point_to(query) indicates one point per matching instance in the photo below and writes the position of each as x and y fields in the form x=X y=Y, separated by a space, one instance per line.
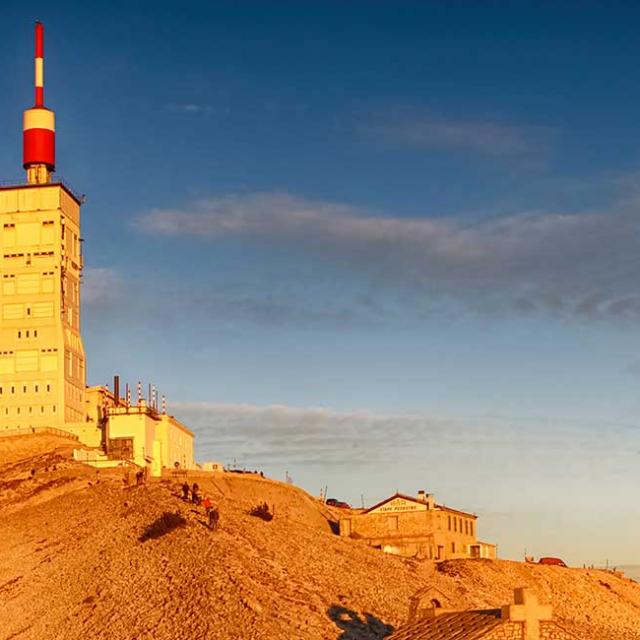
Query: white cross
x=527 y=609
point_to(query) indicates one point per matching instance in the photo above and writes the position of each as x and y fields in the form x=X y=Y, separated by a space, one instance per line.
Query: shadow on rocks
x=354 y=627
x=166 y=523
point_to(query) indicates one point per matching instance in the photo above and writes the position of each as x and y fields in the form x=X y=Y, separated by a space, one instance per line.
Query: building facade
x=417 y=526
x=138 y=433
x=42 y=360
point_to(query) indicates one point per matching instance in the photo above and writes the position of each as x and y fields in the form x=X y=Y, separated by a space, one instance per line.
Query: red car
x=556 y=562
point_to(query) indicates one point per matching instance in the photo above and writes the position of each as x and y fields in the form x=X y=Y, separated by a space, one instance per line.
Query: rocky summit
x=84 y=554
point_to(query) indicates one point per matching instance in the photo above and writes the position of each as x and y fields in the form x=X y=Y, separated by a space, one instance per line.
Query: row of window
x=28 y=283
x=17 y=411
x=461 y=525
x=11 y=352
x=35 y=254
x=38 y=387
x=9 y=276
x=27 y=333
x=12 y=225
x=28 y=360
x=29 y=233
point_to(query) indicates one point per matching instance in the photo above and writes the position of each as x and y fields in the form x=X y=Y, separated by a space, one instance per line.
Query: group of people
x=213 y=515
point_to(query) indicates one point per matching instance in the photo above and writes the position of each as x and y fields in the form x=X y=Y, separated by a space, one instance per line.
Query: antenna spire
x=39 y=129
x=39 y=65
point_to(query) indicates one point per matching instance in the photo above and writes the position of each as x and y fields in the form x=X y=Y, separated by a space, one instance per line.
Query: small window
x=453 y=547
x=449 y=521
x=19 y=334
x=48 y=387
x=24 y=389
x=36 y=388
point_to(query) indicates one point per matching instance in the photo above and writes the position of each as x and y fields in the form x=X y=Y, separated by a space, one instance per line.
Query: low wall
x=35 y=430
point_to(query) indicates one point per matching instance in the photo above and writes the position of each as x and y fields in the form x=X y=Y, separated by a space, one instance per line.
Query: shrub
x=262 y=511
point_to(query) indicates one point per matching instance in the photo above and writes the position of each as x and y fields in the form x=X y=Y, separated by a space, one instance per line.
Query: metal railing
x=58 y=180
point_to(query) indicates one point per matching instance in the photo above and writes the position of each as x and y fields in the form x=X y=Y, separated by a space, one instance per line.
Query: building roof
x=56 y=182
x=464 y=625
x=525 y=615
x=417 y=501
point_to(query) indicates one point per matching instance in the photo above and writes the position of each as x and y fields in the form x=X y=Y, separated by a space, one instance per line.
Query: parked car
x=332 y=502
x=557 y=562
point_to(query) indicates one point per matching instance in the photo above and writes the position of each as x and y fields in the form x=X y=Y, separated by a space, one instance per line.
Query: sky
x=377 y=246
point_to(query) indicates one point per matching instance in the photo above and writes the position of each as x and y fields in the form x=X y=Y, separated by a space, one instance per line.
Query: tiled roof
x=463 y=625
x=417 y=501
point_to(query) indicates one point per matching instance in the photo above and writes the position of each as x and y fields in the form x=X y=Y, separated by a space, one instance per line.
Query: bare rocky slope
x=83 y=556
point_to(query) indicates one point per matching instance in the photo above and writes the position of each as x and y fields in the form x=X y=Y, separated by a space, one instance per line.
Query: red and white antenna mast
x=39 y=129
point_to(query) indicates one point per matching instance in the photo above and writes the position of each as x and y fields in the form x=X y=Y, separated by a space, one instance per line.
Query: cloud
x=480 y=136
x=101 y=286
x=189 y=107
x=567 y=265
x=285 y=434
x=470 y=458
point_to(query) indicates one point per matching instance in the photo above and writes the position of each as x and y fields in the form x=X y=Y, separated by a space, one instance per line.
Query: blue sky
x=379 y=245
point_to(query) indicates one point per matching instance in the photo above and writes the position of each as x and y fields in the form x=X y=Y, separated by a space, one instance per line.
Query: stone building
x=408 y=526
x=524 y=619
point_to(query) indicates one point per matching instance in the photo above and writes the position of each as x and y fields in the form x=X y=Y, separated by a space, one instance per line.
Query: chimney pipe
x=116 y=390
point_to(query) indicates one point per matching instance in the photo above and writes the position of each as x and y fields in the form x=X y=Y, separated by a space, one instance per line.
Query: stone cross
x=527 y=609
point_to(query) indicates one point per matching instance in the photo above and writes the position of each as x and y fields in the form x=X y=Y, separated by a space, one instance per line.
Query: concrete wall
x=177 y=443
x=159 y=440
x=42 y=361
